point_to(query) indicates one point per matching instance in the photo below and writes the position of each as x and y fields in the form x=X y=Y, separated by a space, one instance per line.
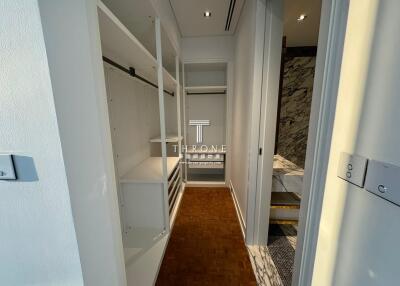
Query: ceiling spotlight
x=207 y=14
x=301 y=18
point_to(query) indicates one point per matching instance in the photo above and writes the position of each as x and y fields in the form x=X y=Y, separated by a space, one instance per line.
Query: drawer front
x=174 y=196
x=174 y=186
x=174 y=172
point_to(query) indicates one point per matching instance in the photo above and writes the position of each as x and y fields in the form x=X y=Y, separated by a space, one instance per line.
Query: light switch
x=383 y=179
x=352 y=168
x=7 y=171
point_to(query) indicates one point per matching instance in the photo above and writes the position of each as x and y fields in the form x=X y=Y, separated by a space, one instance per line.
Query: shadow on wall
x=25 y=168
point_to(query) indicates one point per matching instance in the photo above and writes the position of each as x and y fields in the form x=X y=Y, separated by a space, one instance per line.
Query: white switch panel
x=383 y=179
x=7 y=171
x=352 y=168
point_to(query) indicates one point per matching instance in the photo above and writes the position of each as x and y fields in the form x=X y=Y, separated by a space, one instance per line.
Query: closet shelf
x=206 y=165
x=149 y=171
x=143 y=252
x=209 y=151
x=139 y=237
x=169 y=139
x=118 y=44
x=206 y=89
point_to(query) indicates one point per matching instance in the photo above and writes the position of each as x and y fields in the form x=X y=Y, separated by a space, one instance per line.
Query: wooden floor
x=206 y=245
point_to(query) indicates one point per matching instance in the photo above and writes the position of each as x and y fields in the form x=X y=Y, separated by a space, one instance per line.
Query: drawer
x=174 y=196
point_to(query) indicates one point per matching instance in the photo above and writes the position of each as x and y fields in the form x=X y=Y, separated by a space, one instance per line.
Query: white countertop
x=149 y=170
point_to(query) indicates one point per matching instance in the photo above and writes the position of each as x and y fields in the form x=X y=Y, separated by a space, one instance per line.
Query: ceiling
x=192 y=23
x=138 y=17
x=304 y=33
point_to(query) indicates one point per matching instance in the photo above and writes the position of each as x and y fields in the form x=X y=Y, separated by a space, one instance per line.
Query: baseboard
x=200 y=184
x=238 y=211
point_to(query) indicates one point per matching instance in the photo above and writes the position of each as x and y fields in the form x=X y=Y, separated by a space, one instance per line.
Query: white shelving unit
x=118 y=44
x=142 y=194
x=149 y=191
x=144 y=233
x=206 y=89
x=206 y=99
x=144 y=236
x=142 y=264
x=149 y=171
x=208 y=151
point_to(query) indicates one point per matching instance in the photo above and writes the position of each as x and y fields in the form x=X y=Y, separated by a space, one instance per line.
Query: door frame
x=326 y=82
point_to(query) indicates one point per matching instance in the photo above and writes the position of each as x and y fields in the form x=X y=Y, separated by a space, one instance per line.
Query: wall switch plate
x=383 y=179
x=7 y=171
x=352 y=168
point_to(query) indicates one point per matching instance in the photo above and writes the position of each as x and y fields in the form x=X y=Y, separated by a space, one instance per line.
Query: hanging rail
x=132 y=72
x=217 y=92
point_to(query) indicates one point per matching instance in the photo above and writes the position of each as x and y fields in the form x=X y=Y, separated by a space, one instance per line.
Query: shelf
x=205 y=157
x=141 y=237
x=169 y=139
x=120 y=45
x=206 y=89
x=143 y=251
x=149 y=171
x=206 y=165
x=210 y=151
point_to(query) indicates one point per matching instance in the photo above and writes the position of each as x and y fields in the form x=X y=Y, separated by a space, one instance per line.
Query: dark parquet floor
x=206 y=246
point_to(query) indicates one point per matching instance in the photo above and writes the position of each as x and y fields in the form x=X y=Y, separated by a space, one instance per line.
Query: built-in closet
x=168 y=127
x=205 y=112
x=142 y=74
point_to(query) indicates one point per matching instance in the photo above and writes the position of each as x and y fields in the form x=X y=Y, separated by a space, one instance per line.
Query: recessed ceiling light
x=207 y=14
x=302 y=17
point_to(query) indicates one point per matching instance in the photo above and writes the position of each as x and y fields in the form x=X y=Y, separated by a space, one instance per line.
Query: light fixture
x=301 y=18
x=207 y=14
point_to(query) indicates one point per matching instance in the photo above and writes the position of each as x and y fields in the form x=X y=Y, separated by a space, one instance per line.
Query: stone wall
x=295 y=110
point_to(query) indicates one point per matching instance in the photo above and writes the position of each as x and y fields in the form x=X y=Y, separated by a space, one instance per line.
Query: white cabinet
x=142 y=198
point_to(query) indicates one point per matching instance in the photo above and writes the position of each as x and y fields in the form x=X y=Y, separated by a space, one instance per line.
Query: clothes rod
x=195 y=93
x=132 y=72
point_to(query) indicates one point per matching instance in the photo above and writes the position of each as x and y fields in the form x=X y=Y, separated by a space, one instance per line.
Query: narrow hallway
x=206 y=245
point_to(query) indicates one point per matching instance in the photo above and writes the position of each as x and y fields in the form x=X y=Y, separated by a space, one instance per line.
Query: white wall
x=134 y=118
x=38 y=241
x=241 y=103
x=204 y=78
x=207 y=107
x=208 y=48
x=358 y=237
x=73 y=48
